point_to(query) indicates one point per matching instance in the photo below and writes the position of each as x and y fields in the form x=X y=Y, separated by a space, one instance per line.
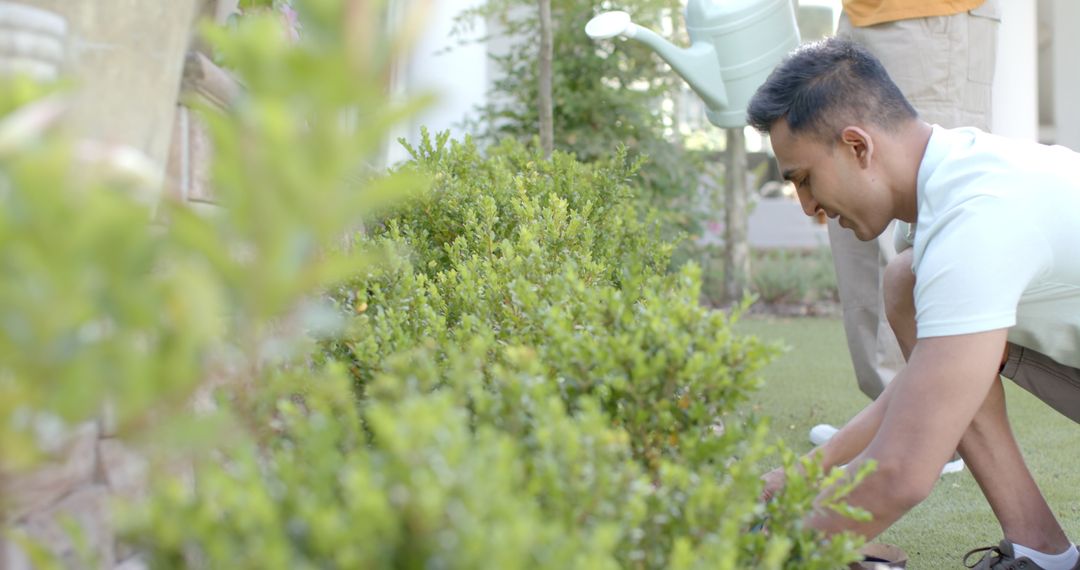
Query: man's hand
x=850 y=441
x=774 y=481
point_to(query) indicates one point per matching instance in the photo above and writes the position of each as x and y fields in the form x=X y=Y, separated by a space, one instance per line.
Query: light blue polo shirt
x=997 y=241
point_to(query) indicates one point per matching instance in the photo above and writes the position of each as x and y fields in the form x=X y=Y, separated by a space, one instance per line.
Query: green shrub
x=431 y=489
x=552 y=255
x=606 y=95
x=439 y=468
x=510 y=253
x=530 y=405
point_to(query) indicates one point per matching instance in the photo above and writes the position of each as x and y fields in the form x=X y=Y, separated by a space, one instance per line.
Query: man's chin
x=860 y=232
x=865 y=235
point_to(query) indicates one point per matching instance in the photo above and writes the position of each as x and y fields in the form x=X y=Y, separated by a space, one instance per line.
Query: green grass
x=813 y=382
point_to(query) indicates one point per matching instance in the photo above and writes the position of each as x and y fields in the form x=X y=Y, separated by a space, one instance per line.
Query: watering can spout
x=734 y=46
x=696 y=64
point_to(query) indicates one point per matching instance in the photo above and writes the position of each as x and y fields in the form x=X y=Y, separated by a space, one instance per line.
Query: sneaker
x=954 y=466
x=821 y=433
x=1001 y=557
x=879 y=556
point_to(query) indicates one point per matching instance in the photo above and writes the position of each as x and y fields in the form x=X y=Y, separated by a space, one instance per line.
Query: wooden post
x=546 y=111
x=736 y=247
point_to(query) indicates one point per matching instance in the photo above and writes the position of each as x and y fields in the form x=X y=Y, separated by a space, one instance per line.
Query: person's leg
x=874 y=353
x=943 y=65
x=988 y=447
x=993 y=456
x=898 y=294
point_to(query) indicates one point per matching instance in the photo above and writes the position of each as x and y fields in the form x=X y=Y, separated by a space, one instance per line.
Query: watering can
x=735 y=44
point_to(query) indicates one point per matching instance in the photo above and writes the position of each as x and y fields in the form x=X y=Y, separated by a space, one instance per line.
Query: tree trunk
x=736 y=247
x=547 y=127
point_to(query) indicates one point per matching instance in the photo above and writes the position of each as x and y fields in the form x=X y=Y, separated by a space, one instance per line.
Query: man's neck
x=903 y=166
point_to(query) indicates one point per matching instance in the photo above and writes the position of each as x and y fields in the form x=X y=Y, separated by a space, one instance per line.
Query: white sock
x=1064 y=561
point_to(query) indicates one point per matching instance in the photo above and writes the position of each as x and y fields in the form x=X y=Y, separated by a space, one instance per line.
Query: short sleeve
x=975 y=263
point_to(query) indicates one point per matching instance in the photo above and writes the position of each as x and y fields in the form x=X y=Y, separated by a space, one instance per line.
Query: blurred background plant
x=794 y=276
x=786 y=281
x=605 y=97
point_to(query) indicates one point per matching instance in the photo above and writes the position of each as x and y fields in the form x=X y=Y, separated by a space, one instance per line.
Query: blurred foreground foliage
x=498 y=373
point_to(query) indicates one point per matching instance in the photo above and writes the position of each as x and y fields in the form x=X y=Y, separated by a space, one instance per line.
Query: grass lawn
x=813 y=382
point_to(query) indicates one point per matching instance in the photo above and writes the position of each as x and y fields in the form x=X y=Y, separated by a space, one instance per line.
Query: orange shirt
x=870 y=12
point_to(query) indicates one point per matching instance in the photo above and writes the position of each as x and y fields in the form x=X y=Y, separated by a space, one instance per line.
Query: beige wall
x=127 y=56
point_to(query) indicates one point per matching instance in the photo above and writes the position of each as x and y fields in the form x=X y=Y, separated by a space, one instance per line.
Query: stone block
x=38 y=489
x=133 y=563
x=127 y=554
x=12 y=556
x=88 y=510
x=122 y=469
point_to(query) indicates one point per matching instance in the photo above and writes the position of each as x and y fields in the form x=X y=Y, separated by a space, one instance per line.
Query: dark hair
x=823 y=84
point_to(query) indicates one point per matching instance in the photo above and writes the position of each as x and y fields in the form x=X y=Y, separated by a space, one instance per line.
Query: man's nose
x=809 y=204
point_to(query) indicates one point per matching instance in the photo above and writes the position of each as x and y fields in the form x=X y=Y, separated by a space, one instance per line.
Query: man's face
x=834 y=177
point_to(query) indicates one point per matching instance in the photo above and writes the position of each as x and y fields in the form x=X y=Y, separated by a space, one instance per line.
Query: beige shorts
x=944 y=65
x=1050 y=381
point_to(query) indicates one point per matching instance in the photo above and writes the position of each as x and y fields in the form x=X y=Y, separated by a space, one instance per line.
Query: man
x=992 y=279
x=941 y=55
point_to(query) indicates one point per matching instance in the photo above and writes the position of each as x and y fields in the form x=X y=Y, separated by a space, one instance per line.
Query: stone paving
x=775 y=223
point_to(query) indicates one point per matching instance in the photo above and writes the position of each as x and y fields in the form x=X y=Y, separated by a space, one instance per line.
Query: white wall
x=1066 y=66
x=1015 y=105
x=456 y=74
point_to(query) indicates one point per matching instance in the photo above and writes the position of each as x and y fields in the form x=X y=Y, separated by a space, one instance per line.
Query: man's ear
x=857 y=141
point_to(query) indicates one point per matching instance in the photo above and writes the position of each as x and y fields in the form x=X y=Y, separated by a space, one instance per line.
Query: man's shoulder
x=1012 y=154
x=967 y=161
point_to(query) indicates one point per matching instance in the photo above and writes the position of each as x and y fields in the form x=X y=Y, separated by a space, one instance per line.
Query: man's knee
x=898 y=288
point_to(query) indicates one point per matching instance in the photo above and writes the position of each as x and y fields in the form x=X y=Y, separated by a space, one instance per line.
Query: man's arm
x=842 y=447
x=856 y=434
x=933 y=401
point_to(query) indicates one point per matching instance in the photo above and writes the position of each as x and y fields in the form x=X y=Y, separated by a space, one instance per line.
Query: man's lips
x=826 y=213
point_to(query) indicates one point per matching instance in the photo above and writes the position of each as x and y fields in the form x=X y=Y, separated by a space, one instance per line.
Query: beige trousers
x=944 y=65
x=1050 y=381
